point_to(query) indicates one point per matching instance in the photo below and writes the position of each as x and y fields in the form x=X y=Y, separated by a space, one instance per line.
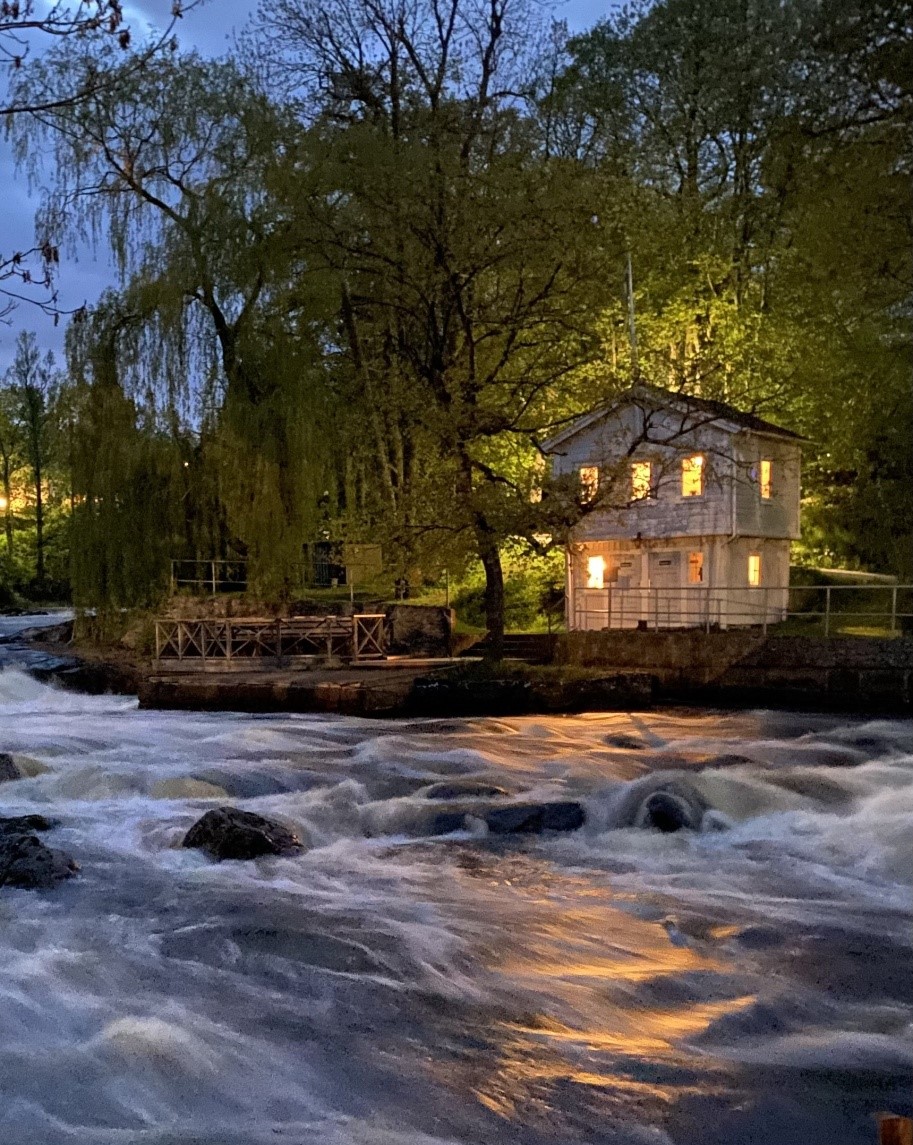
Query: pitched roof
x=705 y=410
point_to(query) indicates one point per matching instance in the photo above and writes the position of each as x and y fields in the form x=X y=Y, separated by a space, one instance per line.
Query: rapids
x=749 y=983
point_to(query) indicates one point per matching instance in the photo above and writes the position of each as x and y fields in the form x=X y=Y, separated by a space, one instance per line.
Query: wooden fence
x=358 y=638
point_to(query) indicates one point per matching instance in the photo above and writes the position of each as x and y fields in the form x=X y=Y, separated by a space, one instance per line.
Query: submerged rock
x=230 y=833
x=9 y=769
x=26 y=862
x=534 y=817
x=464 y=789
x=515 y=818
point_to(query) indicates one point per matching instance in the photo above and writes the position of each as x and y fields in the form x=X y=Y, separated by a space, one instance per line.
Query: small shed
x=690 y=508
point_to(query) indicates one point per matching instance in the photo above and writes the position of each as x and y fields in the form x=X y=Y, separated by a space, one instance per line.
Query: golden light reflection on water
x=590 y=975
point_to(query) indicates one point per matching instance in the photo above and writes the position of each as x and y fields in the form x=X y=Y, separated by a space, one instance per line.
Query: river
x=746 y=984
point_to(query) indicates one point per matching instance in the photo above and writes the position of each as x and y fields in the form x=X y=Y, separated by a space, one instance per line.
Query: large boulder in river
x=661 y=803
x=25 y=861
x=230 y=833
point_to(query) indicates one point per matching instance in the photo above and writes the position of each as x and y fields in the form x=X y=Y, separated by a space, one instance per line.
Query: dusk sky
x=83 y=275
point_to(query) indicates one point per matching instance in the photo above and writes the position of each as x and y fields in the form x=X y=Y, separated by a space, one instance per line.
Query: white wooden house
x=690 y=508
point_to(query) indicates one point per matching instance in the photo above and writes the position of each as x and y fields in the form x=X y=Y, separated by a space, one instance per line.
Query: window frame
x=766 y=479
x=649 y=490
x=590 y=562
x=699 y=553
x=696 y=462
x=588 y=476
x=755 y=570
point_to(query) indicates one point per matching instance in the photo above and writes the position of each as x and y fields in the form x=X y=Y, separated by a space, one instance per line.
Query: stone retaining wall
x=748 y=667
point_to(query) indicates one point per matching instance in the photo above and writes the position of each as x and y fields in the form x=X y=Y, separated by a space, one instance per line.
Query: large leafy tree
x=466 y=259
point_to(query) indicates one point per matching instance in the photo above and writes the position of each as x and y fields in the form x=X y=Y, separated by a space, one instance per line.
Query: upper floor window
x=693 y=476
x=765 y=479
x=589 y=481
x=754 y=569
x=641 y=480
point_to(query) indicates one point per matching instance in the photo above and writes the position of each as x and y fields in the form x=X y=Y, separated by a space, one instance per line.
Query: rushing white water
x=749 y=983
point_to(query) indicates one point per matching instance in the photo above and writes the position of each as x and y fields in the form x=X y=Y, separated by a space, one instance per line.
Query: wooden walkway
x=245 y=642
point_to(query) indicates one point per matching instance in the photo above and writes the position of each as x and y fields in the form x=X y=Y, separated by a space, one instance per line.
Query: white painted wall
x=731 y=501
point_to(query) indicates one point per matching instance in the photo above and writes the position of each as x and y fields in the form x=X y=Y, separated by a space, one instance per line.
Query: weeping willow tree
x=125 y=483
x=170 y=169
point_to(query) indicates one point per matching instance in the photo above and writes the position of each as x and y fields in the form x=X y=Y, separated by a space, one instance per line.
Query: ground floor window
x=754 y=569
x=595 y=572
x=695 y=568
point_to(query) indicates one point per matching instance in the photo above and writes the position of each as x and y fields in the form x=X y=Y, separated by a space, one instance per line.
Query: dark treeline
x=372 y=259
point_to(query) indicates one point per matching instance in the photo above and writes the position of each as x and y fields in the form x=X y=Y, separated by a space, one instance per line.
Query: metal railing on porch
x=357 y=638
x=829 y=610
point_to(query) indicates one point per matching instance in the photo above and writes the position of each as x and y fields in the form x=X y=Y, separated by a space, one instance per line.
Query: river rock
x=230 y=833
x=24 y=824
x=661 y=803
x=515 y=818
x=26 y=862
x=8 y=767
x=529 y=818
x=464 y=789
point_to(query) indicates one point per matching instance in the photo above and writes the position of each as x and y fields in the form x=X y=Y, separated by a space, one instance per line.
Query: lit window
x=695 y=568
x=641 y=476
x=754 y=569
x=589 y=482
x=693 y=476
x=766 y=480
x=595 y=572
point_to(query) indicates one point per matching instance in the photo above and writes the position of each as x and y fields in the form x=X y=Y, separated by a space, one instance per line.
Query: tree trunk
x=8 y=511
x=39 y=529
x=490 y=555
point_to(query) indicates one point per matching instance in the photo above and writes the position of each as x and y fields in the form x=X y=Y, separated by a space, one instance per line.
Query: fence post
x=173 y=579
x=893 y=609
x=158 y=640
x=656 y=609
x=764 y=606
x=213 y=567
x=827 y=611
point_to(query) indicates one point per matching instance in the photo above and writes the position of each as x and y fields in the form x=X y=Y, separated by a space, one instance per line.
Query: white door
x=665 y=606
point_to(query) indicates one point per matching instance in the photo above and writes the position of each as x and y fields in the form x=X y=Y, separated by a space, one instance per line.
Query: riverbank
x=415 y=689
x=592 y=671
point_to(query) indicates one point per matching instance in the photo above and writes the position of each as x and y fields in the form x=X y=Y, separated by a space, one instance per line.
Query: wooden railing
x=358 y=638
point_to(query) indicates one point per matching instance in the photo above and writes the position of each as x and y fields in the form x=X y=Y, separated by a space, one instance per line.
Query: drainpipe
x=569 y=594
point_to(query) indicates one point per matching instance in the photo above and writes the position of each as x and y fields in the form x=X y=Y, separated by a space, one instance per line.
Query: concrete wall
x=419 y=629
x=747 y=667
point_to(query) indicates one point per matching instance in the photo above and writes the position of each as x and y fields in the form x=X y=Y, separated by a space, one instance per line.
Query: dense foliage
x=368 y=266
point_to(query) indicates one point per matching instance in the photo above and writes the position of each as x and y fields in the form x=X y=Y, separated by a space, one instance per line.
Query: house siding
x=646 y=544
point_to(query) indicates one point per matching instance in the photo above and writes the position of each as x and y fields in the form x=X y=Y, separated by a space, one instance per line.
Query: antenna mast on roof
x=632 y=322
